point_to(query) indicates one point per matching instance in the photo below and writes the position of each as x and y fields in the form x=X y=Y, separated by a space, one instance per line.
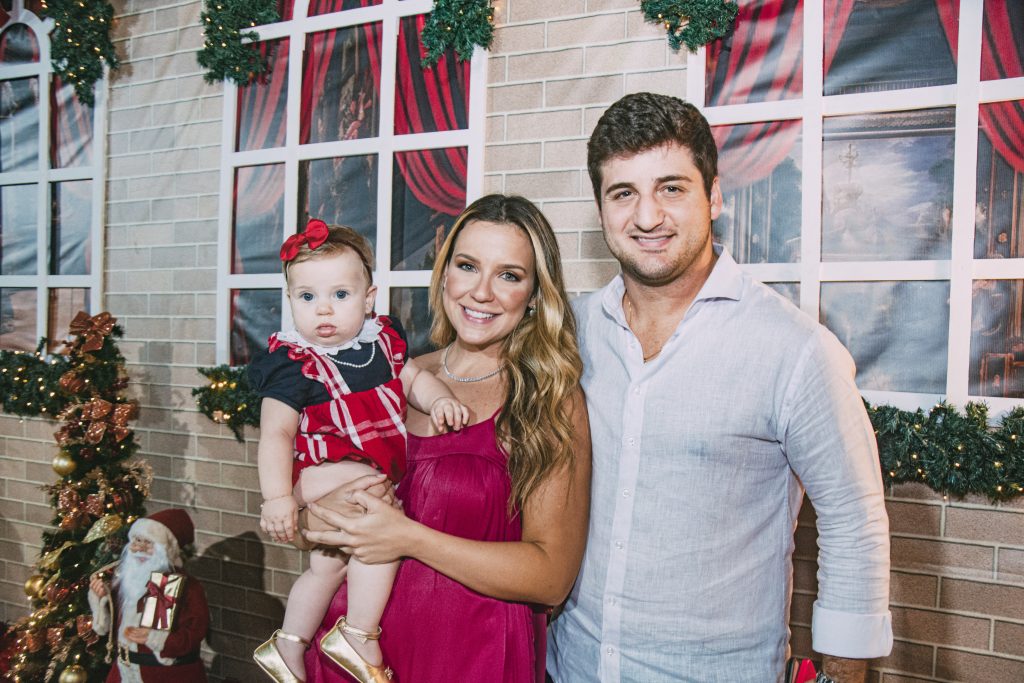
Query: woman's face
x=489 y=282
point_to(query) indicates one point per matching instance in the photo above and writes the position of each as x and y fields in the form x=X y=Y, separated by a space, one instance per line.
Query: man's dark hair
x=642 y=121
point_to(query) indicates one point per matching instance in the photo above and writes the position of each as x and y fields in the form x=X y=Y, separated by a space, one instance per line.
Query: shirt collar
x=724 y=282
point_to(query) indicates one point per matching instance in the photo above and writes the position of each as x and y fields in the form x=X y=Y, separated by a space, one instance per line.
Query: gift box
x=160 y=603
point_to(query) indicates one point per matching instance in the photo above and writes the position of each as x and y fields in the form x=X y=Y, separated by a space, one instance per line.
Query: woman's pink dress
x=434 y=628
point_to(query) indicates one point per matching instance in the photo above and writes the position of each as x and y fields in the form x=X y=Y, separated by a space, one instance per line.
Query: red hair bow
x=315 y=234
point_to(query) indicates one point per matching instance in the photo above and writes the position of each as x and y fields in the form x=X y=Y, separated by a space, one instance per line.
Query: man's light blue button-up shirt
x=700 y=461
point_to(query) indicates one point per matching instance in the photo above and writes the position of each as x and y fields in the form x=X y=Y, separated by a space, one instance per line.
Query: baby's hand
x=279 y=517
x=447 y=412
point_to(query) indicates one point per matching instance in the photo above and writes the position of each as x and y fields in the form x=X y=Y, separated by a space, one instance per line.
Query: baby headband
x=315 y=234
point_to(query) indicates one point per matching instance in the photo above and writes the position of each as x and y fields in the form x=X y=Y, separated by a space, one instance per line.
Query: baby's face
x=330 y=298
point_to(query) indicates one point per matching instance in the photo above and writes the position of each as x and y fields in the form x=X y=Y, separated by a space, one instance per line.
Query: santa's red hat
x=171 y=528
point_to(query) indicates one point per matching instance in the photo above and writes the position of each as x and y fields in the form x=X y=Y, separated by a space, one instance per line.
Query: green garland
x=226 y=54
x=954 y=453
x=459 y=24
x=81 y=43
x=228 y=399
x=692 y=23
x=29 y=382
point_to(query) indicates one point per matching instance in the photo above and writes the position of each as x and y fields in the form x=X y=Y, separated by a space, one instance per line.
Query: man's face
x=655 y=214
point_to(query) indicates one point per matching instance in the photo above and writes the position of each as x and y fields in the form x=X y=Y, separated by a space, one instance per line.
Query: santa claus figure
x=147 y=654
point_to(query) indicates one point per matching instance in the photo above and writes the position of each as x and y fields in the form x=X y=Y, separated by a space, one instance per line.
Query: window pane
x=70 y=127
x=328 y=6
x=789 y=290
x=428 y=100
x=70 y=224
x=997 y=342
x=429 y=191
x=18 y=45
x=341 y=84
x=255 y=315
x=18 y=229
x=998 y=219
x=887 y=186
x=759 y=167
x=262 y=105
x=876 y=46
x=19 y=124
x=897 y=332
x=409 y=305
x=340 y=191
x=761 y=60
x=259 y=219
x=18 y=319
x=63 y=306
x=1002 y=44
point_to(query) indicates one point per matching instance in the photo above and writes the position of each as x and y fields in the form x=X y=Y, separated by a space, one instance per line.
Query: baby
x=334 y=394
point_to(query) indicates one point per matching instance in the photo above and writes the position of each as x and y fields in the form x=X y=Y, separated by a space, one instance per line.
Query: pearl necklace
x=373 y=352
x=444 y=366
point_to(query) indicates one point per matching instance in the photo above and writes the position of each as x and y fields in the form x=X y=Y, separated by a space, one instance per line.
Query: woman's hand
x=279 y=517
x=378 y=535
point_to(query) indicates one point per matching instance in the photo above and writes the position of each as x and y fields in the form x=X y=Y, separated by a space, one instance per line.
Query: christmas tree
x=98 y=493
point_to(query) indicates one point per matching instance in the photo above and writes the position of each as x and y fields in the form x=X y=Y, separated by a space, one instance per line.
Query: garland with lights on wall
x=955 y=453
x=98 y=493
x=228 y=52
x=693 y=23
x=81 y=43
x=458 y=24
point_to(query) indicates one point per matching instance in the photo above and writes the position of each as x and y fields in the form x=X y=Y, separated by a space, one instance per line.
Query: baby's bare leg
x=307 y=604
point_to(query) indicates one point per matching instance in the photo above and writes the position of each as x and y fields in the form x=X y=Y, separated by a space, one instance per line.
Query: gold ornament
x=103 y=527
x=63 y=464
x=34 y=585
x=74 y=674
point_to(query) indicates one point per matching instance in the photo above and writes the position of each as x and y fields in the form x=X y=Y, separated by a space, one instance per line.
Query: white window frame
x=44 y=176
x=966 y=95
x=385 y=145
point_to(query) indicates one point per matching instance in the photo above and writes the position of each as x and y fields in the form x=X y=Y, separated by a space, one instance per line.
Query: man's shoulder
x=585 y=306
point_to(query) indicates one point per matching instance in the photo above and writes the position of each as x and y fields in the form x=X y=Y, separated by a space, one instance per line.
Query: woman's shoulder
x=431 y=362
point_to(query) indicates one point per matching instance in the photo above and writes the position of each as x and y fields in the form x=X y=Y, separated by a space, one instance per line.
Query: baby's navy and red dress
x=350 y=401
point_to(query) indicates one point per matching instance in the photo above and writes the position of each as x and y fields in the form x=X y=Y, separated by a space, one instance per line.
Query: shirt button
x=636 y=390
x=619 y=545
x=631 y=441
x=612 y=601
x=609 y=651
x=625 y=493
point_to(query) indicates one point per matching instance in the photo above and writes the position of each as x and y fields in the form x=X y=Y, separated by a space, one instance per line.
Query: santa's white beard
x=131 y=578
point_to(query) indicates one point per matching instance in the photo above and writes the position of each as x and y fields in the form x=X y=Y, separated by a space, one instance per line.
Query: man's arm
x=831 y=447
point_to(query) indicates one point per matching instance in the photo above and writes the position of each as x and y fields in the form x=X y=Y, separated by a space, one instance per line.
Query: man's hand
x=136 y=634
x=98 y=586
x=843 y=670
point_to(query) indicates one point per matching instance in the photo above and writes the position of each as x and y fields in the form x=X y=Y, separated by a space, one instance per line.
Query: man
x=150 y=655
x=713 y=404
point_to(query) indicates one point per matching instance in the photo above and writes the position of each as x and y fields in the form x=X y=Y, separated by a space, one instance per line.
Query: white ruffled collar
x=367 y=335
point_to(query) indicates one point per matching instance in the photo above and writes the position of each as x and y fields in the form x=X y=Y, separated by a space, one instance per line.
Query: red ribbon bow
x=92 y=329
x=164 y=603
x=315 y=235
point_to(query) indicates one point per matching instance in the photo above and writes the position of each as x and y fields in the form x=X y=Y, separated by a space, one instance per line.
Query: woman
x=495 y=515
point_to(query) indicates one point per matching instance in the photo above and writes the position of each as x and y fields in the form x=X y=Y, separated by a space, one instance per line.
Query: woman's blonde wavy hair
x=541 y=359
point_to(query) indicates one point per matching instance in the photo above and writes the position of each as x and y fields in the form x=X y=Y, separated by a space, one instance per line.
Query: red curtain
x=759 y=62
x=71 y=125
x=435 y=99
x=1003 y=35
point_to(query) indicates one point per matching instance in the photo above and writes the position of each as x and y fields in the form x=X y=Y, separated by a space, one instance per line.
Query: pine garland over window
x=693 y=23
x=458 y=24
x=227 y=53
x=81 y=43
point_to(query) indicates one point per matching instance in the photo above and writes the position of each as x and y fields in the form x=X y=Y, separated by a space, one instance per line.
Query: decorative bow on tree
x=90 y=331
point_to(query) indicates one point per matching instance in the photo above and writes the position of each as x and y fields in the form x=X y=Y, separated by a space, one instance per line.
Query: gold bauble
x=74 y=674
x=34 y=585
x=63 y=464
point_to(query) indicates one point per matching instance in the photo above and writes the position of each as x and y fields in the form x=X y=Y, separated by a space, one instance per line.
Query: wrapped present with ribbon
x=160 y=603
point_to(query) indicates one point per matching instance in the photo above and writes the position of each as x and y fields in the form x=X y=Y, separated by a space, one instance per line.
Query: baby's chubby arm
x=279 y=513
x=429 y=395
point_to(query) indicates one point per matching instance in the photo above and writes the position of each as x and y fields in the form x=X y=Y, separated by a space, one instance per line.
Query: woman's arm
x=278 y=425
x=541 y=568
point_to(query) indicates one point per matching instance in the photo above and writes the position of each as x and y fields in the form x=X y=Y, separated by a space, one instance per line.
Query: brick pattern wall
x=958 y=568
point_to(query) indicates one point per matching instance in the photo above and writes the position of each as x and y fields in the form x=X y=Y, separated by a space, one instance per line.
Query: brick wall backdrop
x=958 y=567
